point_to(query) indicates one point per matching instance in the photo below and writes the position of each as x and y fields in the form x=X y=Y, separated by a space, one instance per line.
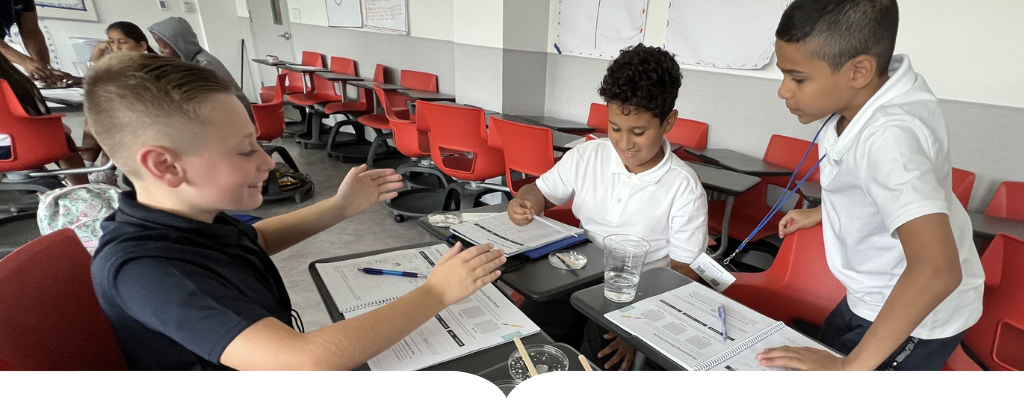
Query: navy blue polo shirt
x=11 y=11
x=177 y=290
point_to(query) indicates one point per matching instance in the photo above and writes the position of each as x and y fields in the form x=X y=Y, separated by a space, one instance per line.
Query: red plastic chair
x=1008 y=201
x=414 y=80
x=997 y=340
x=49 y=314
x=378 y=73
x=752 y=205
x=459 y=147
x=295 y=82
x=598 y=118
x=36 y=141
x=963 y=185
x=270 y=125
x=798 y=286
x=530 y=153
x=691 y=134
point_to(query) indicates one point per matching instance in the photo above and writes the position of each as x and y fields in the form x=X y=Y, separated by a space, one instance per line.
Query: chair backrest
x=598 y=118
x=1008 y=202
x=296 y=79
x=269 y=117
x=528 y=150
x=422 y=81
x=408 y=139
x=689 y=133
x=312 y=59
x=343 y=65
x=997 y=340
x=798 y=285
x=49 y=314
x=786 y=151
x=963 y=185
x=461 y=130
x=36 y=141
x=378 y=73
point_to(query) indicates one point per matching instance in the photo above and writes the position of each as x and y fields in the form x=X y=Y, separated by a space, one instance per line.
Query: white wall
x=223 y=30
x=969 y=50
x=479 y=22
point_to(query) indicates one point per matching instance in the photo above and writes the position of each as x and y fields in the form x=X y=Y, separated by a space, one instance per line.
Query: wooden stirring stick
x=526 y=357
x=586 y=364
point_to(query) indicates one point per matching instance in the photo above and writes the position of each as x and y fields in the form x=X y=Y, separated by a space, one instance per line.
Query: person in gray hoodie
x=177 y=39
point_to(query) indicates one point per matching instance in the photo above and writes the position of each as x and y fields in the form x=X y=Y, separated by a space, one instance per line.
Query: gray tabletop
x=738 y=162
x=811 y=192
x=478 y=363
x=383 y=86
x=559 y=139
x=266 y=62
x=339 y=76
x=987 y=227
x=536 y=279
x=427 y=96
x=561 y=125
x=724 y=181
x=305 y=69
x=592 y=303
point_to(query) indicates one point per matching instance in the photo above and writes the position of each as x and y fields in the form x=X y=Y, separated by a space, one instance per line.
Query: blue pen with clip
x=721 y=316
x=375 y=271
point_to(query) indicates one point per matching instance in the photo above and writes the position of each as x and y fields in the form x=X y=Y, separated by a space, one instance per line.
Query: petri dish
x=567 y=259
x=444 y=219
x=546 y=359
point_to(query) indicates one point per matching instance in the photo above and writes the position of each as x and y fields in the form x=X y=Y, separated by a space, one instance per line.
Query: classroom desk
x=427 y=96
x=987 y=227
x=368 y=85
x=277 y=63
x=486 y=363
x=558 y=124
x=339 y=77
x=592 y=303
x=307 y=82
x=738 y=162
x=729 y=183
x=536 y=279
x=70 y=97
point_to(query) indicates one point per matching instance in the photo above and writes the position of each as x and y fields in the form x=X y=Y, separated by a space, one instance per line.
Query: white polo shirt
x=665 y=205
x=890 y=166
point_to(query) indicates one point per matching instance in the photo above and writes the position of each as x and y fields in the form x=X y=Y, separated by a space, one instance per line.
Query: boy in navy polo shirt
x=894 y=233
x=188 y=287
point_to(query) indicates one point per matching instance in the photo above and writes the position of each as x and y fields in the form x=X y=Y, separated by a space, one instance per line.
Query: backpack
x=80 y=208
x=288 y=180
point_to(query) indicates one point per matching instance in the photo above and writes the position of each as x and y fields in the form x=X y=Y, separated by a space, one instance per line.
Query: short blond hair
x=135 y=100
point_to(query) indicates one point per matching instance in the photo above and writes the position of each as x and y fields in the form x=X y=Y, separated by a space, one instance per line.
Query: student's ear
x=669 y=122
x=862 y=70
x=162 y=164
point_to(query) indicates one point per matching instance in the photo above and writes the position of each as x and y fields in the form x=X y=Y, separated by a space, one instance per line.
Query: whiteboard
x=600 y=28
x=728 y=34
x=391 y=16
x=344 y=13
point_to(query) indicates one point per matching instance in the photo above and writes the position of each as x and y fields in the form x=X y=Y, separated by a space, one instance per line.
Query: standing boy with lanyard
x=894 y=233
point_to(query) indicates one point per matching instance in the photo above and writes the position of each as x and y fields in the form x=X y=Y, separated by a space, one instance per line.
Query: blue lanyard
x=788 y=194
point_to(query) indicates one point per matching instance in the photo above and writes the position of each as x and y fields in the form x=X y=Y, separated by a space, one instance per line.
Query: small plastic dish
x=545 y=359
x=506 y=386
x=444 y=219
x=567 y=259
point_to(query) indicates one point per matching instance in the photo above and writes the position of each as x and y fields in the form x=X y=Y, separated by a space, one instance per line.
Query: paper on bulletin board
x=728 y=34
x=391 y=16
x=600 y=28
x=344 y=13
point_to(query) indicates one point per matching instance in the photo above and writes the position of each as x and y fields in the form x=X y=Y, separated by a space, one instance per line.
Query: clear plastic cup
x=623 y=260
x=545 y=358
x=506 y=386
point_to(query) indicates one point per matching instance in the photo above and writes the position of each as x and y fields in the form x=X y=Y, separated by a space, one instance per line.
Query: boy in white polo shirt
x=894 y=233
x=630 y=183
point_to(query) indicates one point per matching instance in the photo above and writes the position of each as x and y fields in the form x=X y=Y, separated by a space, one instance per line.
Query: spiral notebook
x=683 y=324
x=355 y=292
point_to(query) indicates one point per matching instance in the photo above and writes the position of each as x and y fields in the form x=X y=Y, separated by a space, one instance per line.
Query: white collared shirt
x=892 y=165
x=665 y=205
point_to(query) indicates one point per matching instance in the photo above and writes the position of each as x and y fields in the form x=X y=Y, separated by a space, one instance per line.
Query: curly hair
x=643 y=78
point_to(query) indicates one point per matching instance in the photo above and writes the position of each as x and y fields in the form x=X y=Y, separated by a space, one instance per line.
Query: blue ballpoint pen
x=721 y=316
x=375 y=271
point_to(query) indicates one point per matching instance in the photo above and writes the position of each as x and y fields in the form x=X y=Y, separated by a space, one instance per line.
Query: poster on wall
x=389 y=16
x=67 y=9
x=600 y=28
x=732 y=34
x=344 y=13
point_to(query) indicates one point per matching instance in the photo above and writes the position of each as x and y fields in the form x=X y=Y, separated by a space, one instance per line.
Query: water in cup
x=624 y=257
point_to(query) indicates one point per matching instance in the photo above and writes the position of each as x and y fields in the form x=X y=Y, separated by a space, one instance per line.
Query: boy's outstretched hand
x=807 y=359
x=521 y=211
x=362 y=189
x=460 y=273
